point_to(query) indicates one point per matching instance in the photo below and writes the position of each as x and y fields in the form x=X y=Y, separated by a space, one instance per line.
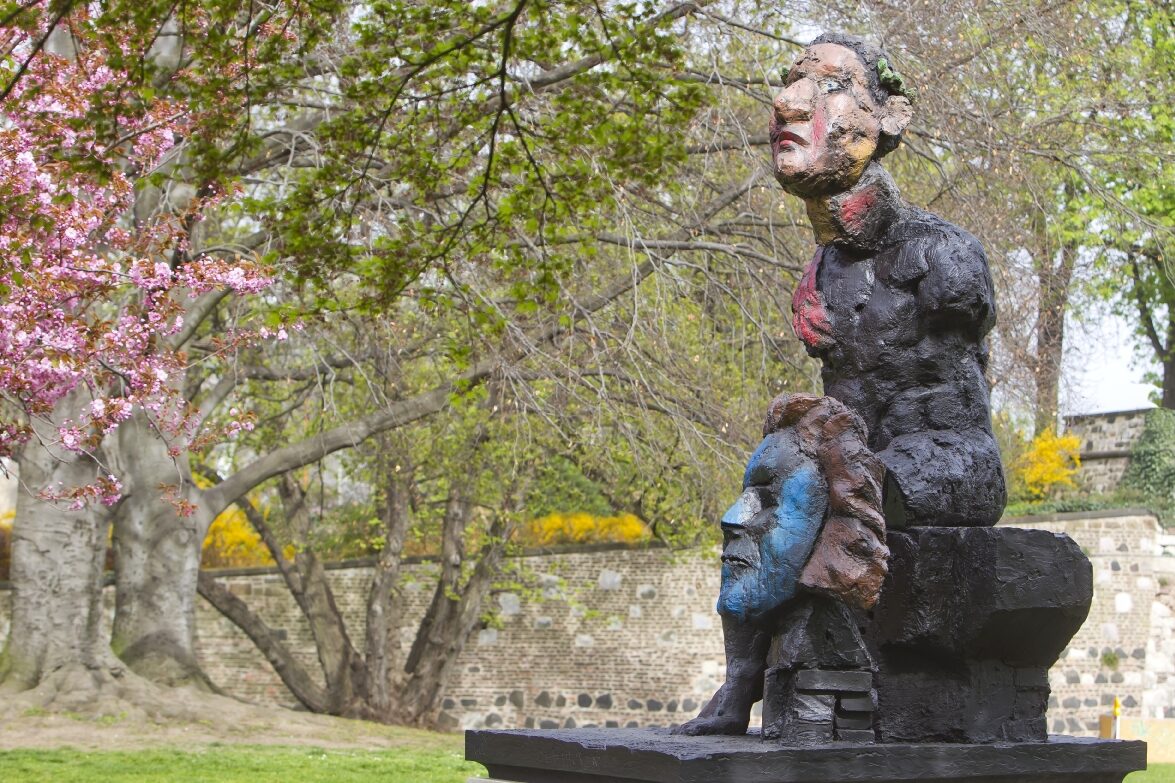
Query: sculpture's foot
x=713 y=725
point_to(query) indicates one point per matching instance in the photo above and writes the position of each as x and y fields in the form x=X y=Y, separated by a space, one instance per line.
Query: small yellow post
x=1117 y=713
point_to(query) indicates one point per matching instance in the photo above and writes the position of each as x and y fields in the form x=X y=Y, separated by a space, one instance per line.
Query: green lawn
x=238 y=764
x=277 y=764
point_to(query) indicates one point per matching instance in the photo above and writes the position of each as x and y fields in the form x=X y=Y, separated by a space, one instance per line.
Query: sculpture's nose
x=794 y=102
x=738 y=515
x=732 y=519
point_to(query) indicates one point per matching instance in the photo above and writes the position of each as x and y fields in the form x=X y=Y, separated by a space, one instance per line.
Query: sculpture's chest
x=870 y=307
x=847 y=287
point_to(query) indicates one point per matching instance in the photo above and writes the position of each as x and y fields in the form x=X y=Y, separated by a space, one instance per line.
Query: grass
x=1156 y=773
x=240 y=764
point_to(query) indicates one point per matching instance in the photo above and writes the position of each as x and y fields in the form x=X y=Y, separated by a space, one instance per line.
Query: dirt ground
x=246 y=725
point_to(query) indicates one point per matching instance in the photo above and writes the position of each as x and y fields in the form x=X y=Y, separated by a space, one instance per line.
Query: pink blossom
x=85 y=294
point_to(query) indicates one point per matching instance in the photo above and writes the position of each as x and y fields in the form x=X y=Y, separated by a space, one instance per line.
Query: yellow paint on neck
x=823 y=224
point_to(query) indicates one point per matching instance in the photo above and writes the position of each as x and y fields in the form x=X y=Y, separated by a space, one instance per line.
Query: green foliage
x=1151 y=472
x=560 y=485
x=1075 y=503
x=1110 y=660
x=436 y=152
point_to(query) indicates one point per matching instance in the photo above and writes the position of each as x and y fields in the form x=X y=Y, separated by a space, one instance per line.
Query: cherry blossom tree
x=100 y=299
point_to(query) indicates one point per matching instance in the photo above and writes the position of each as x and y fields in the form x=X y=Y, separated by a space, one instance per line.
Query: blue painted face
x=769 y=532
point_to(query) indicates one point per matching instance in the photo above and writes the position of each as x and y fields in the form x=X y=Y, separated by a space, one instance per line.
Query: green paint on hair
x=894 y=82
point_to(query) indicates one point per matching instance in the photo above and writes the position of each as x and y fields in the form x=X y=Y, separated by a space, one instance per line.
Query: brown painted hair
x=849 y=558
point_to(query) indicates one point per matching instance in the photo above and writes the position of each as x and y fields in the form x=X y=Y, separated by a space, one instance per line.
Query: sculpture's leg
x=729 y=710
x=819 y=677
x=941 y=478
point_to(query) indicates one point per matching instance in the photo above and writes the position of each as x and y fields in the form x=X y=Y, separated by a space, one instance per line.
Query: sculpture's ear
x=896 y=115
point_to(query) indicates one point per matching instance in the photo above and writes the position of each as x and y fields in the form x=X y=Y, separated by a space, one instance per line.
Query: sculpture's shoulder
x=945 y=262
x=921 y=240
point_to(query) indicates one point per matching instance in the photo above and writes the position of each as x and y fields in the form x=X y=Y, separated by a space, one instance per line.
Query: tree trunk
x=157 y=551
x=1055 y=274
x=1168 y=400
x=384 y=607
x=1168 y=359
x=342 y=666
x=58 y=558
x=443 y=636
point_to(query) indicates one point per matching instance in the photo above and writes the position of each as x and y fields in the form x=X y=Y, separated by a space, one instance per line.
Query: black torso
x=904 y=344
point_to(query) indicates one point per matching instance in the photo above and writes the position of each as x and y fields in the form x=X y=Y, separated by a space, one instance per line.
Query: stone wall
x=618 y=636
x=1106 y=441
x=613 y=636
x=1115 y=653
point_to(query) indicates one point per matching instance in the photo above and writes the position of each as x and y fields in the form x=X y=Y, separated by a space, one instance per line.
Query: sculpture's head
x=841 y=106
x=809 y=514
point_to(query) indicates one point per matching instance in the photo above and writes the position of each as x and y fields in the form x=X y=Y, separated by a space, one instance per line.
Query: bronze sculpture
x=896 y=304
x=865 y=597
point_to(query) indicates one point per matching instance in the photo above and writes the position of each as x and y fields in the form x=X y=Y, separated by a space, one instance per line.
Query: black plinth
x=655 y=756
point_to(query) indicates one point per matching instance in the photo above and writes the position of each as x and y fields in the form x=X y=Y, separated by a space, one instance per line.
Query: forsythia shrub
x=1049 y=463
x=233 y=543
x=581 y=528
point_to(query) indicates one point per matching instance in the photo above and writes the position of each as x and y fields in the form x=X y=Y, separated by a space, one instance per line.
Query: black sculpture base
x=655 y=756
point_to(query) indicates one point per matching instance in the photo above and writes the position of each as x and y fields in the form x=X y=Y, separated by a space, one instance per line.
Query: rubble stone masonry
x=1106 y=442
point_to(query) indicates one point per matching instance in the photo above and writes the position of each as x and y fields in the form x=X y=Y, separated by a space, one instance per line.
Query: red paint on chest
x=809 y=316
x=855 y=207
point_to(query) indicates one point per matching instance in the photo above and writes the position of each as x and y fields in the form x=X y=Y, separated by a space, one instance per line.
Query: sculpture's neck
x=859 y=217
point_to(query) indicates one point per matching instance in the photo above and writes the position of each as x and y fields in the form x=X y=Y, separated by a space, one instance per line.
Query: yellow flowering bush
x=1049 y=463
x=583 y=528
x=233 y=543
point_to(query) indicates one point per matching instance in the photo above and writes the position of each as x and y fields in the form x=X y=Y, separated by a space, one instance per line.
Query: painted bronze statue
x=896 y=302
x=866 y=597
x=802 y=547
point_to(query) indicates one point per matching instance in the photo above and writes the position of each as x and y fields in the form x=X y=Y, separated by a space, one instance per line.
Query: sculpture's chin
x=739 y=600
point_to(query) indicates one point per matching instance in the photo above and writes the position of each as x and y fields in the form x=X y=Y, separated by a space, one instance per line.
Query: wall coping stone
x=1068 y=516
x=1107 y=414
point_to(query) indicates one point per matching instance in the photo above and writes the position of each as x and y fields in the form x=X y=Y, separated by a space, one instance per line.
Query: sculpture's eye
x=767 y=497
x=831 y=85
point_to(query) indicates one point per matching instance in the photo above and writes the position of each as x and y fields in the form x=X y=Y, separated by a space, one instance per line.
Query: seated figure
x=802 y=547
x=896 y=302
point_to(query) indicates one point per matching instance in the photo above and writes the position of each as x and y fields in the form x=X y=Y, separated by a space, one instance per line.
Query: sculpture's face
x=825 y=123
x=769 y=532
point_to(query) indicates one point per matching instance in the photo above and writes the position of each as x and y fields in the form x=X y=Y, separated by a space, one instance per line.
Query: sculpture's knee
x=943 y=478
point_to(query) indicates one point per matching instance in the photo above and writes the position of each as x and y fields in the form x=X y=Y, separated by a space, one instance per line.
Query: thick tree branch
x=195 y=315
x=296 y=678
x=756 y=140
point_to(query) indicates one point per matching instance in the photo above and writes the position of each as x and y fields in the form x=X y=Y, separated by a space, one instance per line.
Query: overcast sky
x=1101 y=371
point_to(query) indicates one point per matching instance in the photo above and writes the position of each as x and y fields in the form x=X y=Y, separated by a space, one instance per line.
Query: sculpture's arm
x=957 y=290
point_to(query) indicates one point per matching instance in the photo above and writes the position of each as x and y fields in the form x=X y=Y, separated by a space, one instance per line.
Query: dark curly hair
x=883 y=80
